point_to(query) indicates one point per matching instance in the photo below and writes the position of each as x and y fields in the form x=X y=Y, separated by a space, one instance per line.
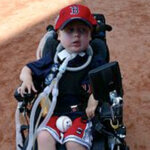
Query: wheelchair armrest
x=106 y=78
x=27 y=97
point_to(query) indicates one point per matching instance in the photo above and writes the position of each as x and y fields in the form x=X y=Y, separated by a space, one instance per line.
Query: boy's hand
x=92 y=105
x=26 y=87
x=27 y=82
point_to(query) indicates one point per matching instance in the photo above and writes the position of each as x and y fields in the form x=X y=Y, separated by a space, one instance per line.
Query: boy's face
x=75 y=37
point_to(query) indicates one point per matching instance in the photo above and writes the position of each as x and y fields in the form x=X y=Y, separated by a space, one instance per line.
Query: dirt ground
x=22 y=25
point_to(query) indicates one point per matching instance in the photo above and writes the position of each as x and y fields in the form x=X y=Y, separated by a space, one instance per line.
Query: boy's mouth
x=76 y=43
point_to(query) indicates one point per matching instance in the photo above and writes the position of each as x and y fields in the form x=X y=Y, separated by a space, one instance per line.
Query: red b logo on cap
x=74 y=10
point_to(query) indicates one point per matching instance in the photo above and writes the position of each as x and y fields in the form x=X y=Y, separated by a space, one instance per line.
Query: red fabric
x=52 y=124
x=72 y=12
x=77 y=128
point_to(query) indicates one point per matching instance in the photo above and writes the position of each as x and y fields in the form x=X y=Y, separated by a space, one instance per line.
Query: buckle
x=74 y=108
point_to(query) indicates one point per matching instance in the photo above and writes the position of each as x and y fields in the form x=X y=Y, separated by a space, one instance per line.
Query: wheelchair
x=109 y=131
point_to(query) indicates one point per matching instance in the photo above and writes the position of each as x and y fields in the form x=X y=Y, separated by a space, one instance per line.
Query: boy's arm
x=27 y=82
x=91 y=107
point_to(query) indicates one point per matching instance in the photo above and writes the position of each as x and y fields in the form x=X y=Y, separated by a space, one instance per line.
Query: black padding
x=100 y=48
x=98 y=143
x=27 y=97
x=50 y=46
x=105 y=79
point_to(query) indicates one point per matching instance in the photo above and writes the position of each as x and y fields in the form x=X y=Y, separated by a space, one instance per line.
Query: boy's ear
x=58 y=35
x=90 y=37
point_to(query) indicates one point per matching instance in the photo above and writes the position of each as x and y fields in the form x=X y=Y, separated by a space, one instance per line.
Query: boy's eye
x=70 y=30
x=83 y=30
x=80 y=30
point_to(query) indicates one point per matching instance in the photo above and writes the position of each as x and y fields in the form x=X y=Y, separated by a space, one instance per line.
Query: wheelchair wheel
x=121 y=147
x=26 y=144
x=35 y=147
x=99 y=143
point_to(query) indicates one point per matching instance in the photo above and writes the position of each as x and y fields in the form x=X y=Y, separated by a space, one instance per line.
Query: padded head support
x=99 y=47
x=98 y=42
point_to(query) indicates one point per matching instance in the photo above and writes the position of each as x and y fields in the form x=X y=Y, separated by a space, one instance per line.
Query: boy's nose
x=77 y=32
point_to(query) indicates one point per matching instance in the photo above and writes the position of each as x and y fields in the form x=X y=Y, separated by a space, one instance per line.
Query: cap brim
x=73 y=19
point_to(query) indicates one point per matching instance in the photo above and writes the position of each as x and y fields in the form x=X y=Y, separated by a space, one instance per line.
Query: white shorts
x=80 y=132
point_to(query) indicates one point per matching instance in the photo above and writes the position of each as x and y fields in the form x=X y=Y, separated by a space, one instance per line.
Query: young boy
x=74 y=26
